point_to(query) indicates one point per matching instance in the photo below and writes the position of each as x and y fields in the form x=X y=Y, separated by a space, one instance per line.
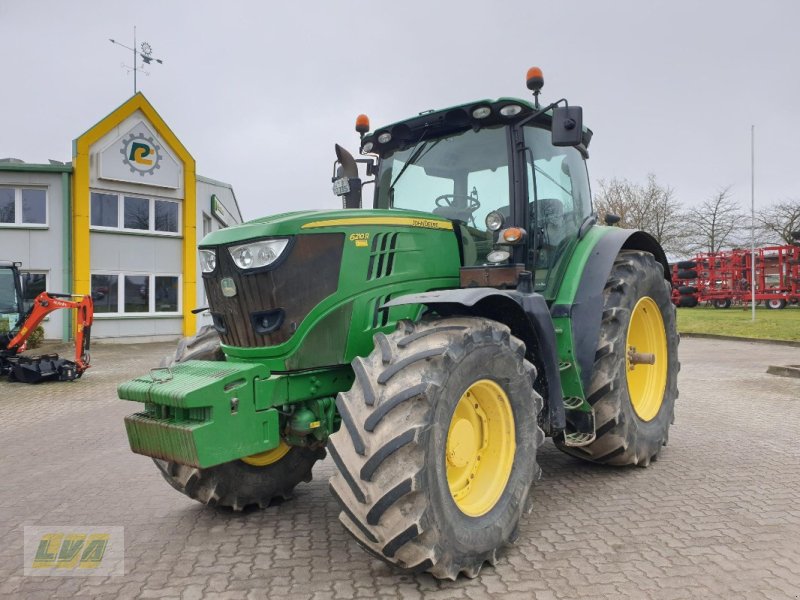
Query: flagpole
x=753 y=220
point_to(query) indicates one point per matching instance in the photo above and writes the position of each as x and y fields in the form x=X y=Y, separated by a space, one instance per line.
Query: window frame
x=18 y=223
x=151 y=230
x=151 y=312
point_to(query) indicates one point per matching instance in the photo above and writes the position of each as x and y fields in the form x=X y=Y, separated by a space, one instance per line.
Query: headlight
x=494 y=221
x=208 y=261
x=257 y=254
x=498 y=256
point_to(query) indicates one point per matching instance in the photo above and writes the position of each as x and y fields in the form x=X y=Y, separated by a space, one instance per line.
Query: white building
x=122 y=222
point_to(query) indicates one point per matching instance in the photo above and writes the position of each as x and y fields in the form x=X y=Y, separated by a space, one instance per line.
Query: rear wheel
x=725 y=303
x=252 y=481
x=437 y=448
x=633 y=400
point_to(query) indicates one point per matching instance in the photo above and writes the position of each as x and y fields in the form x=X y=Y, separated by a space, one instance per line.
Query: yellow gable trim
x=80 y=196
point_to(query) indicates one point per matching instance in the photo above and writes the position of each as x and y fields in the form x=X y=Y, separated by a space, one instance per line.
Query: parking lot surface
x=717 y=516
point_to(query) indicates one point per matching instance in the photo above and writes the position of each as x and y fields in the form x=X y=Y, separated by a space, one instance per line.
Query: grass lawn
x=737 y=321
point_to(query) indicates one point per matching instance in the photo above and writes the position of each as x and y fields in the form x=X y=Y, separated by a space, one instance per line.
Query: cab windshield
x=9 y=301
x=461 y=177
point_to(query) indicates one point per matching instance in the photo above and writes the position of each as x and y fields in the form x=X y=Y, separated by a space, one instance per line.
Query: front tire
x=633 y=403
x=437 y=449
x=253 y=481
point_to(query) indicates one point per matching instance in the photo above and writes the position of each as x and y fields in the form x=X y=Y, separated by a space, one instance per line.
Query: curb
x=733 y=338
x=785 y=370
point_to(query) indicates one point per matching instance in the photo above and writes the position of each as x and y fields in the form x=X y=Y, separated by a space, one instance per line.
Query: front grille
x=299 y=282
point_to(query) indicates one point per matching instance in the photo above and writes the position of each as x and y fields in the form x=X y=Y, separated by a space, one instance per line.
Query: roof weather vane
x=144 y=51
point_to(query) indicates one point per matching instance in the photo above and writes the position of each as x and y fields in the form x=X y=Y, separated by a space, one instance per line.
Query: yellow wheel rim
x=480 y=448
x=646 y=343
x=262 y=459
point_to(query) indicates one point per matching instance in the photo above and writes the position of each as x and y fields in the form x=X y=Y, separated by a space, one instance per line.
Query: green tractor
x=430 y=343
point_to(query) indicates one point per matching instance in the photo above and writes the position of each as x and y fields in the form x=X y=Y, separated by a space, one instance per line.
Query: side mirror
x=611 y=219
x=346 y=182
x=567 y=126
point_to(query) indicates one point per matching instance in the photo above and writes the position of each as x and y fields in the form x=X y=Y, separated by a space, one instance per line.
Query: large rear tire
x=437 y=448
x=253 y=481
x=633 y=402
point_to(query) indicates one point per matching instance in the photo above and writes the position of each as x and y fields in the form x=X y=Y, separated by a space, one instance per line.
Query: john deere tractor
x=429 y=343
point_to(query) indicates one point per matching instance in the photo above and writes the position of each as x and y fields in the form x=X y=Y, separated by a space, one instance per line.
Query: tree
x=715 y=224
x=651 y=207
x=778 y=221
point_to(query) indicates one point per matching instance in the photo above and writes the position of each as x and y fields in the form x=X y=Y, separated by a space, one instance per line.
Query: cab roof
x=454 y=119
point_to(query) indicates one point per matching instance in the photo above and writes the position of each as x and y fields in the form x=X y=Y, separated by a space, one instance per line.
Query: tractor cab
x=510 y=174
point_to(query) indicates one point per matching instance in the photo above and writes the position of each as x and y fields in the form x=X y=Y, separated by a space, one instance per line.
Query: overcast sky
x=260 y=91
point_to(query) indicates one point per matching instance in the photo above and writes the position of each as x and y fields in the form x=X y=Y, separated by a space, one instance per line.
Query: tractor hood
x=314 y=221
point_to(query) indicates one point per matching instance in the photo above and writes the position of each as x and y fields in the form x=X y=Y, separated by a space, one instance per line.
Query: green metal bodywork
x=206 y=413
x=188 y=416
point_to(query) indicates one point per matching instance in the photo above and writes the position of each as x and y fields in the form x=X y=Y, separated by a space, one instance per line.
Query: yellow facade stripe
x=407 y=221
x=81 y=268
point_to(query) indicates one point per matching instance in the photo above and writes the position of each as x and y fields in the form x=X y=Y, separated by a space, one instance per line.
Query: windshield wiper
x=415 y=156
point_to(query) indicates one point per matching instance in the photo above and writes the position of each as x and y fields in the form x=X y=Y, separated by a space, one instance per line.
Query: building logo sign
x=141 y=154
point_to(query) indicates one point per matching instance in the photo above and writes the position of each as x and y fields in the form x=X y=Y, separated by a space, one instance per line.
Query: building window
x=7 y=205
x=166 y=299
x=137 y=213
x=23 y=206
x=34 y=206
x=134 y=213
x=104 y=293
x=166 y=216
x=33 y=284
x=105 y=210
x=206 y=224
x=137 y=294
x=140 y=294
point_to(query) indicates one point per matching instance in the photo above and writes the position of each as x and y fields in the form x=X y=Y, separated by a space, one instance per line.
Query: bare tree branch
x=716 y=224
x=778 y=221
x=651 y=207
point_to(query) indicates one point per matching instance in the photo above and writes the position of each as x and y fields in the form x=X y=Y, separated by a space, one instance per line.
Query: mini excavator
x=34 y=369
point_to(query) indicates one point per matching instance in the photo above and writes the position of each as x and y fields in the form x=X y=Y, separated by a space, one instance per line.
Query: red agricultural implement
x=725 y=278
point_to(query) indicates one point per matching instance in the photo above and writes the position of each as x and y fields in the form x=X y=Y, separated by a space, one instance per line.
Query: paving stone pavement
x=716 y=517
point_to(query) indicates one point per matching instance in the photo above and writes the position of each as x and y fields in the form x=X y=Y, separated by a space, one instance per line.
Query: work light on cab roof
x=362 y=124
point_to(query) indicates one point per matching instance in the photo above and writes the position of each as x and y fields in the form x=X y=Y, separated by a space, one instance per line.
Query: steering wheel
x=446 y=201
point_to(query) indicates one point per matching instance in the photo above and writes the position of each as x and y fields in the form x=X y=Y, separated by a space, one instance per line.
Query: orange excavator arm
x=43 y=305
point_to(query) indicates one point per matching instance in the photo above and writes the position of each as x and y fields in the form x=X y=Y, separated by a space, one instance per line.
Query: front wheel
x=437 y=449
x=634 y=380
x=253 y=481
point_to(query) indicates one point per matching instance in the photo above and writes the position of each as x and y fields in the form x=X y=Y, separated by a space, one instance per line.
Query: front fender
x=528 y=317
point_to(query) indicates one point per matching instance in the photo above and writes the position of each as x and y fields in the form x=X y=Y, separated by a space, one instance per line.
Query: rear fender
x=528 y=317
x=586 y=309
